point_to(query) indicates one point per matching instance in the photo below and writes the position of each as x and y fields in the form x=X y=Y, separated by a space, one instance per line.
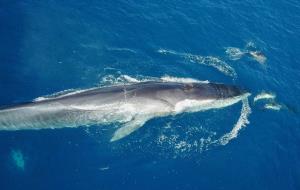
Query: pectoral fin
x=128 y=128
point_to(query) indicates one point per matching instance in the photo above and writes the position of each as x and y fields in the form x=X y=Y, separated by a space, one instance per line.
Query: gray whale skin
x=131 y=105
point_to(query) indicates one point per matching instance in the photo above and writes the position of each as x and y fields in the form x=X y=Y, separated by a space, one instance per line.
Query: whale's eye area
x=188 y=87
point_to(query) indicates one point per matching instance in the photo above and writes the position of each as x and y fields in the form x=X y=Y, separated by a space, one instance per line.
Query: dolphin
x=131 y=105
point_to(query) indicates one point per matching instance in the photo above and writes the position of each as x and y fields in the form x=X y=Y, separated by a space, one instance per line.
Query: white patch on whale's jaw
x=189 y=105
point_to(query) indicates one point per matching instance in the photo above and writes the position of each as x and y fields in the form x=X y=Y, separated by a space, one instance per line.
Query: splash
x=116 y=80
x=181 y=146
x=273 y=106
x=270 y=102
x=109 y=80
x=250 y=50
x=214 y=62
x=241 y=123
x=264 y=95
x=181 y=80
x=121 y=49
x=186 y=145
x=250 y=45
x=258 y=56
x=167 y=51
x=126 y=79
x=235 y=53
x=210 y=61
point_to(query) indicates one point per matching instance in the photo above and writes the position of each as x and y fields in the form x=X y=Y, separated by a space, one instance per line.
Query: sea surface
x=51 y=46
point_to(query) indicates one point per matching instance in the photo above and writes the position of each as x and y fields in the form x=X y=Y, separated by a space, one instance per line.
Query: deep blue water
x=50 y=46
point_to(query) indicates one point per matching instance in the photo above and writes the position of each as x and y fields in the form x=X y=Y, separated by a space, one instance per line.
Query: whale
x=129 y=105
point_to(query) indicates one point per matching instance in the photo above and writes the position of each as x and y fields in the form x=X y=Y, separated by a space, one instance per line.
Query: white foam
x=121 y=49
x=182 y=80
x=234 y=53
x=241 y=123
x=126 y=79
x=167 y=51
x=264 y=95
x=182 y=146
x=206 y=143
x=116 y=80
x=250 y=44
x=258 y=56
x=104 y=168
x=250 y=50
x=211 y=61
x=216 y=63
x=273 y=106
x=130 y=79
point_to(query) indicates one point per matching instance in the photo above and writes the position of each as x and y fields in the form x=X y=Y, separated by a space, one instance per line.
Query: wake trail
x=210 y=61
x=241 y=123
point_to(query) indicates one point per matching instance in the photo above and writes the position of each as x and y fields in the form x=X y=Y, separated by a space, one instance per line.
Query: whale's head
x=199 y=91
x=197 y=96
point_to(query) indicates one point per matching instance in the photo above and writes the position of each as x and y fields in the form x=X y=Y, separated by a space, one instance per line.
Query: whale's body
x=131 y=105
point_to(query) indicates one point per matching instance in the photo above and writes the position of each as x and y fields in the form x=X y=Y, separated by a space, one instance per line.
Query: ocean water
x=52 y=46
